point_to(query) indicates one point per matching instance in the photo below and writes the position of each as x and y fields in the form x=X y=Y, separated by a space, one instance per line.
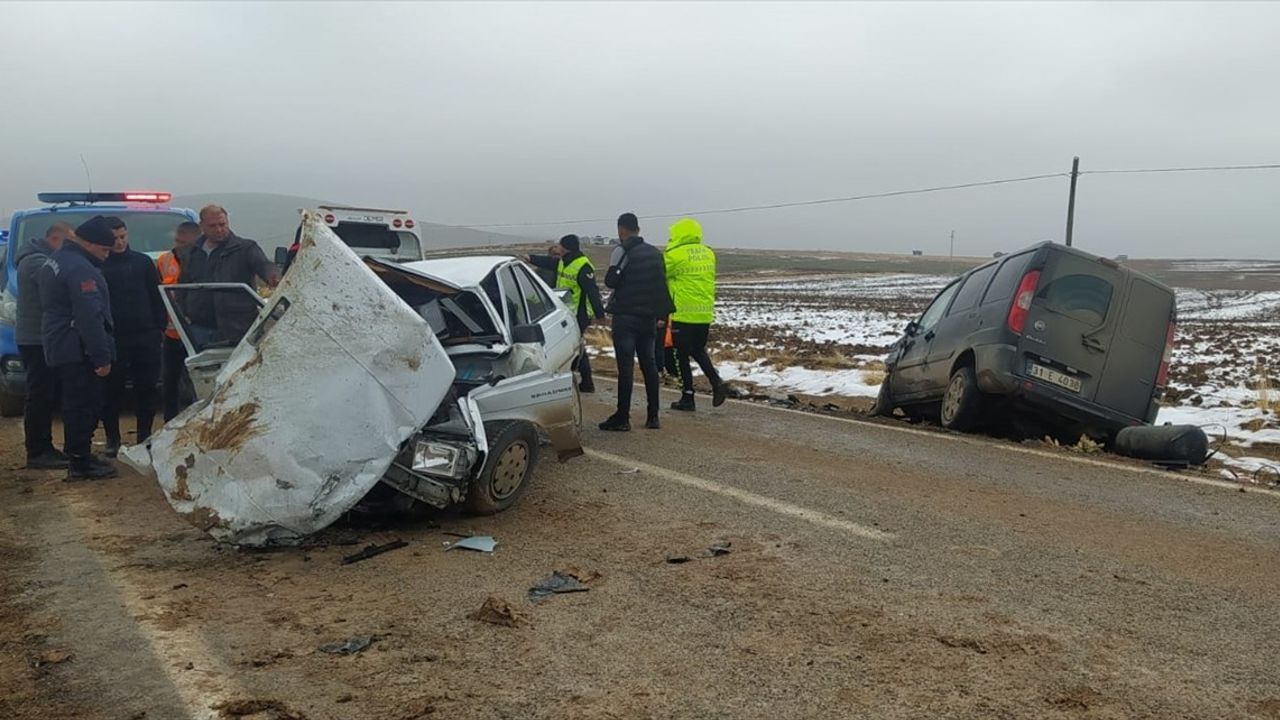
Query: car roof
x=464 y=271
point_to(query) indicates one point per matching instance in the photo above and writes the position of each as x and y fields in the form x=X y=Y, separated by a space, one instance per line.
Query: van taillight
x=1162 y=377
x=1022 y=300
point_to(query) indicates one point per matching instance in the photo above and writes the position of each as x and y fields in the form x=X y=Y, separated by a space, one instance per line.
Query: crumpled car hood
x=311 y=408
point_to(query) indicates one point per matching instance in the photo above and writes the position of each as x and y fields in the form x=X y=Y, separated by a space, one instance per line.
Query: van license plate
x=1050 y=375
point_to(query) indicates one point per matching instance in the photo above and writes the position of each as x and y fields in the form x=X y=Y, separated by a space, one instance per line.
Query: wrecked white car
x=435 y=378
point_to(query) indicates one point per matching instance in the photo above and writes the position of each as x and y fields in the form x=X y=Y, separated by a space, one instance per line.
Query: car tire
x=962 y=401
x=883 y=406
x=513 y=453
x=11 y=405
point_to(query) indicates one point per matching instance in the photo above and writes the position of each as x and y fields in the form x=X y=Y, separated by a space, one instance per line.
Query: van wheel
x=962 y=403
x=11 y=405
x=883 y=406
x=513 y=452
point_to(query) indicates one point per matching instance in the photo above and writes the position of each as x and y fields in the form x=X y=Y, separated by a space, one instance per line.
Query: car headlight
x=8 y=308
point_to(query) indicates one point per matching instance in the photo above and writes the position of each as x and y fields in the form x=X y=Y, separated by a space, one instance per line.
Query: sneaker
x=719 y=394
x=586 y=387
x=616 y=423
x=112 y=449
x=685 y=403
x=48 y=460
x=653 y=424
x=91 y=468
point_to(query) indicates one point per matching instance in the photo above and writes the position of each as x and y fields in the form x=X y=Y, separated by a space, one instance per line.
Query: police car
x=151 y=224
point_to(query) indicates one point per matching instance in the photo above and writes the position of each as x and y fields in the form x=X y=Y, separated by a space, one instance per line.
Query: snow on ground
x=847 y=383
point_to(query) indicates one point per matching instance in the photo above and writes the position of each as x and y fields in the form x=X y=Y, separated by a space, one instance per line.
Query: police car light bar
x=92 y=197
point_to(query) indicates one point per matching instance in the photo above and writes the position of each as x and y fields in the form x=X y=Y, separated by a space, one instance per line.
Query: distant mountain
x=271 y=220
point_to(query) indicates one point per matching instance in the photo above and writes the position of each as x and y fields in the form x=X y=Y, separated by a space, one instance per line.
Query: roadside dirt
x=990 y=601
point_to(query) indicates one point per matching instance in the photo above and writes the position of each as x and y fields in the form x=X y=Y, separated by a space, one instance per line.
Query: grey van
x=1048 y=332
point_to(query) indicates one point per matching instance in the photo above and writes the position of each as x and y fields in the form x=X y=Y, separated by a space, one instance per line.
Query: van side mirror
x=913 y=327
x=528 y=334
x=282 y=256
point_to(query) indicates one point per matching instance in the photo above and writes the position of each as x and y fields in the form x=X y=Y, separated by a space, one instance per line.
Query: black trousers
x=174 y=364
x=81 y=405
x=137 y=361
x=584 y=362
x=42 y=391
x=632 y=337
x=691 y=342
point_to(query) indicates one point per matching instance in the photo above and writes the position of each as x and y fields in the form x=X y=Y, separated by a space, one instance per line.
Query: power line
x=872 y=196
x=775 y=206
x=1211 y=168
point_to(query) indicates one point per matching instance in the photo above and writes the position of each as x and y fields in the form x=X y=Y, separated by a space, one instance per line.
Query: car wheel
x=11 y=405
x=883 y=406
x=962 y=403
x=513 y=452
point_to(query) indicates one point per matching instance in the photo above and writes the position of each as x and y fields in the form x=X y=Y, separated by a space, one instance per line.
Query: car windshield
x=150 y=231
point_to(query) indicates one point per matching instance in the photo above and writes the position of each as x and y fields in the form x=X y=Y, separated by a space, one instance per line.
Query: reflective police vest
x=567 y=278
x=170 y=271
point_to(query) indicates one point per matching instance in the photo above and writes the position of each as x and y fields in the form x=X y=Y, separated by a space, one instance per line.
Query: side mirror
x=528 y=334
x=566 y=295
x=282 y=256
x=913 y=327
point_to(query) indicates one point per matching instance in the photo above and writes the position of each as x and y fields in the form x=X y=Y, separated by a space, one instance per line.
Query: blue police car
x=151 y=224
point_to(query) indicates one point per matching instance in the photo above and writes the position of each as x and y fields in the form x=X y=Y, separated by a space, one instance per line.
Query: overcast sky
x=494 y=113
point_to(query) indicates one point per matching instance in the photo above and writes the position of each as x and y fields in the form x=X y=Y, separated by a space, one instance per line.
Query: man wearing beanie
x=575 y=273
x=76 y=330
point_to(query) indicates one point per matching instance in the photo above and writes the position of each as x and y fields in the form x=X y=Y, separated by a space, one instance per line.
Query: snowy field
x=827 y=337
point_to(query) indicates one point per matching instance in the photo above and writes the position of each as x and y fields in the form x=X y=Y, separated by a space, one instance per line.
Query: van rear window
x=1008 y=277
x=1083 y=297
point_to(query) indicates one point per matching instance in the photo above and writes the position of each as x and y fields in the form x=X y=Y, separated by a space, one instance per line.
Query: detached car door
x=206 y=354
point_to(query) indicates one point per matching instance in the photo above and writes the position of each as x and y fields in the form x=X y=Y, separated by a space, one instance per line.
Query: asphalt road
x=873 y=572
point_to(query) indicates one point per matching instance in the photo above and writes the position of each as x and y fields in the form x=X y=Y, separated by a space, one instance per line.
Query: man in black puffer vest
x=638 y=277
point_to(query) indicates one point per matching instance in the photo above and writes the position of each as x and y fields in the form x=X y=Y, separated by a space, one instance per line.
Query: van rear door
x=1129 y=380
x=1071 y=322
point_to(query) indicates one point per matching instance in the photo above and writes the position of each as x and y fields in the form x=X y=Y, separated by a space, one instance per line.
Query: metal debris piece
x=555 y=584
x=373 y=550
x=720 y=548
x=497 y=611
x=678 y=559
x=632 y=471
x=350 y=647
x=479 y=543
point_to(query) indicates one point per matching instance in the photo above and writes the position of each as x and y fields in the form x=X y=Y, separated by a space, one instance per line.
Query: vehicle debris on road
x=349 y=647
x=373 y=551
x=479 y=543
x=557 y=583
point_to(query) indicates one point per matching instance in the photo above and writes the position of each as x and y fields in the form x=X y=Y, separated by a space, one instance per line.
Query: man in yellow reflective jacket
x=575 y=273
x=691 y=279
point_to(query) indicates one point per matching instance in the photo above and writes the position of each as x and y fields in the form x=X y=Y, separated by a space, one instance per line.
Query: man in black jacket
x=221 y=256
x=76 y=334
x=42 y=380
x=138 y=314
x=638 y=276
x=573 y=272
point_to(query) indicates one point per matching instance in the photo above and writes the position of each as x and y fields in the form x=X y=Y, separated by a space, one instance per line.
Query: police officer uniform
x=76 y=332
x=575 y=273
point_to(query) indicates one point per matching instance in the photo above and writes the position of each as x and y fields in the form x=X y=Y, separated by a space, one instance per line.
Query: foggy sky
x=490 y=113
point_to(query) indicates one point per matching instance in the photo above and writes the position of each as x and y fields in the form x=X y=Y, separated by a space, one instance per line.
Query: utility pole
x=953 y=248
x=1071 y=199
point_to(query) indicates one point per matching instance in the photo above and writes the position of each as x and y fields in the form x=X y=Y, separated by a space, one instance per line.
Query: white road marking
x=210 y=682
x=1153 y=472
x=747 y=497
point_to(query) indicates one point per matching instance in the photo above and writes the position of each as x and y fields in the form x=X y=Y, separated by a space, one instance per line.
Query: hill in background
x=271 y=220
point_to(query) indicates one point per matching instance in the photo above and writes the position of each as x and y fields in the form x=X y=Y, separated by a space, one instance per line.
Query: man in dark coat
x=221 y=256
x=42 y=380
x=76 y=333
x=638 y=277
x=139 y=318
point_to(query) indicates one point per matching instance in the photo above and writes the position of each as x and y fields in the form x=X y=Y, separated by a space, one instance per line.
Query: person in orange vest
x=175 y=353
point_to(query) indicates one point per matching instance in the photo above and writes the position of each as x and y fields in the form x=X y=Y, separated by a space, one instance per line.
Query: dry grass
x=872 y=375
x=1266 y=402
